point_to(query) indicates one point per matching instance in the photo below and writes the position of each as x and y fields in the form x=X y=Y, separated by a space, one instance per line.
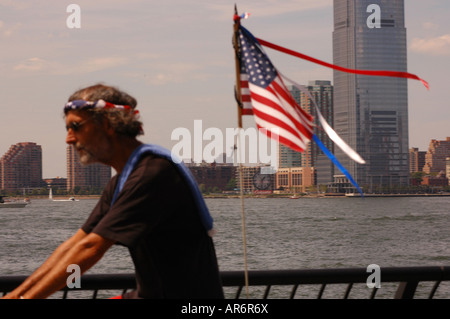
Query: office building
x=56 y=183
x=439 y=180
x=287 y=157
x=416 y=160
x=255 y=179
x=447 y=169
x=371 y=112
x=322 y=93
x=85 y=177
x=21 y=167
x=213 y=176
x=295 y=179
x=436 y=155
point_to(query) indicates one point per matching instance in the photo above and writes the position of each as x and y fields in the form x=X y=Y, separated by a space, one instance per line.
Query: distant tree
x=418 y=176
x=202 y=188
x=231 y=184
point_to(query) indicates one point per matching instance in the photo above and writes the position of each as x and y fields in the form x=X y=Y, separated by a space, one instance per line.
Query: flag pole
x=239 y=109
x=238 y=65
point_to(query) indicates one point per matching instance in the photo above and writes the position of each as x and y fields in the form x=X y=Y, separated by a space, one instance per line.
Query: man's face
x=87 y=136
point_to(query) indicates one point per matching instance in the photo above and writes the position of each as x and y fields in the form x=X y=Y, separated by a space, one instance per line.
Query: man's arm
x=81 y=249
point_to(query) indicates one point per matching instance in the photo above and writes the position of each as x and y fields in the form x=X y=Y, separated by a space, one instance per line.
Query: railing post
x=406 y=290
x=433 y=291
x=322 y=289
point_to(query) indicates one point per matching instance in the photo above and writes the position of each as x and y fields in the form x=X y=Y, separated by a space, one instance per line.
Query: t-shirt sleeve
x=101 y=207
x=139 y=208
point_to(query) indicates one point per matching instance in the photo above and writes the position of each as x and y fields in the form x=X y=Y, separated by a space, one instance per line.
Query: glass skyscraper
x=371 y=113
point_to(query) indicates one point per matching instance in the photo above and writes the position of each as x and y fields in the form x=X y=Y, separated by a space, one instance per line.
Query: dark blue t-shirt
x=155 y=217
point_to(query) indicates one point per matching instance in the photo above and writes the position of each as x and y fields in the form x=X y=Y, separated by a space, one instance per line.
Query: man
x=152 y=206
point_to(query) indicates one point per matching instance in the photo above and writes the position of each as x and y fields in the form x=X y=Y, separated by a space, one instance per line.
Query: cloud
x=97 y=64
x=31 y=64
x=430 y=26
x=36 y=64
x=15 y=4
x=438 y=46
x=8 y=31
x=162 y=73
x=176 y=73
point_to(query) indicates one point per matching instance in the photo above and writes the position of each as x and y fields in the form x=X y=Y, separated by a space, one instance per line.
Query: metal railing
x=406 y=279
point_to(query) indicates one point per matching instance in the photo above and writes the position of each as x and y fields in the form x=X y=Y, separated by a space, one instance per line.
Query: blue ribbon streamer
x=185 y=172
x=337 y=163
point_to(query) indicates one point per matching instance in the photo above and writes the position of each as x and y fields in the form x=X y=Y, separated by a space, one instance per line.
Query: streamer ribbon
x=337 y=163
x=339 y=68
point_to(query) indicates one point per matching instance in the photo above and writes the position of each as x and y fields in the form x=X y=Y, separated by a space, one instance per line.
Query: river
x=281 y=233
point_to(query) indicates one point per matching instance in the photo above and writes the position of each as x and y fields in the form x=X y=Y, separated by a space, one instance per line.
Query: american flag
x=264 y=95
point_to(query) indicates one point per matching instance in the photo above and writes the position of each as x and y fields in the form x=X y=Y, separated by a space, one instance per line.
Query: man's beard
x=85 y=156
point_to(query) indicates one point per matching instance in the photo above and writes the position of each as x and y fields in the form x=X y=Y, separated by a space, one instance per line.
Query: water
x=281 y=234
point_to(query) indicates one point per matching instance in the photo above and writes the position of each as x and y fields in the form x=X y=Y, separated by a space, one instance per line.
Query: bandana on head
x=82 y=104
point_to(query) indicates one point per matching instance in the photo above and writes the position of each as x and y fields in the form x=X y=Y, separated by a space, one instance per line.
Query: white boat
x=50 y=197
x=12 y=204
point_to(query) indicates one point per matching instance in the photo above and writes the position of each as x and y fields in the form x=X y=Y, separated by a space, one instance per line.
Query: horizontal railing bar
x=336 y=276
x=268 y=278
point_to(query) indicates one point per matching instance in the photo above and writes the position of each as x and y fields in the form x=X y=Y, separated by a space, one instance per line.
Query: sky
x=176 y=58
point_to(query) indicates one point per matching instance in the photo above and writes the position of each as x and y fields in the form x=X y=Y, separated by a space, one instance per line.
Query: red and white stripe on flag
x=276 y=111
x=245 y=96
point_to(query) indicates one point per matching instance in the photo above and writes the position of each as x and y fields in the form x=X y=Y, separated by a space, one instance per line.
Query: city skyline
x=103 y=173
x=176 y=58
x=21 y=168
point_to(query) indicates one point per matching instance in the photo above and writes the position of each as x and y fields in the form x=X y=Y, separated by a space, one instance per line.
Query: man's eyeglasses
x=75 y=126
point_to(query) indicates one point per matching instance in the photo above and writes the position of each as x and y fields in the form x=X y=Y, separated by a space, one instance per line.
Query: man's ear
x=107 y=127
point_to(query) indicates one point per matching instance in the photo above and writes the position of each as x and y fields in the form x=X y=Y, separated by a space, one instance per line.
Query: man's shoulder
x=152 y=160
x=151 y=166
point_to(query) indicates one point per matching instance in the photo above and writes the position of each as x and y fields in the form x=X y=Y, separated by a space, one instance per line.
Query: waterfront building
x=56 y=183
x=295 y=179
x=436 y=156
x=85 y=177
x=213 y=176
x=439 y=180
x=287 y=157
x=255 y=179
x=416 y=160
x=371 y=112
x=322 y=93
x=447 y=169
x=21 y=167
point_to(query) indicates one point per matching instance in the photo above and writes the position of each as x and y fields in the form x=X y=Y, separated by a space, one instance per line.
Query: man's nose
x=70 y=138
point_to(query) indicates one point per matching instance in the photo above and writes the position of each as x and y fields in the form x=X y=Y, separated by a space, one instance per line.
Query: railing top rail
x=268 y=277
x=340 y=275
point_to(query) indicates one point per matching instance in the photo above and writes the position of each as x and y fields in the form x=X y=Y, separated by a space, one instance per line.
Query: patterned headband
x=82 y=104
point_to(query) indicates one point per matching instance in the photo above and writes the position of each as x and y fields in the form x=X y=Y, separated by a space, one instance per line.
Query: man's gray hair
x=124 y=122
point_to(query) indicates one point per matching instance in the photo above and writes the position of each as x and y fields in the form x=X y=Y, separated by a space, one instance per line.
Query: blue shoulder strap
x=185 y=172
